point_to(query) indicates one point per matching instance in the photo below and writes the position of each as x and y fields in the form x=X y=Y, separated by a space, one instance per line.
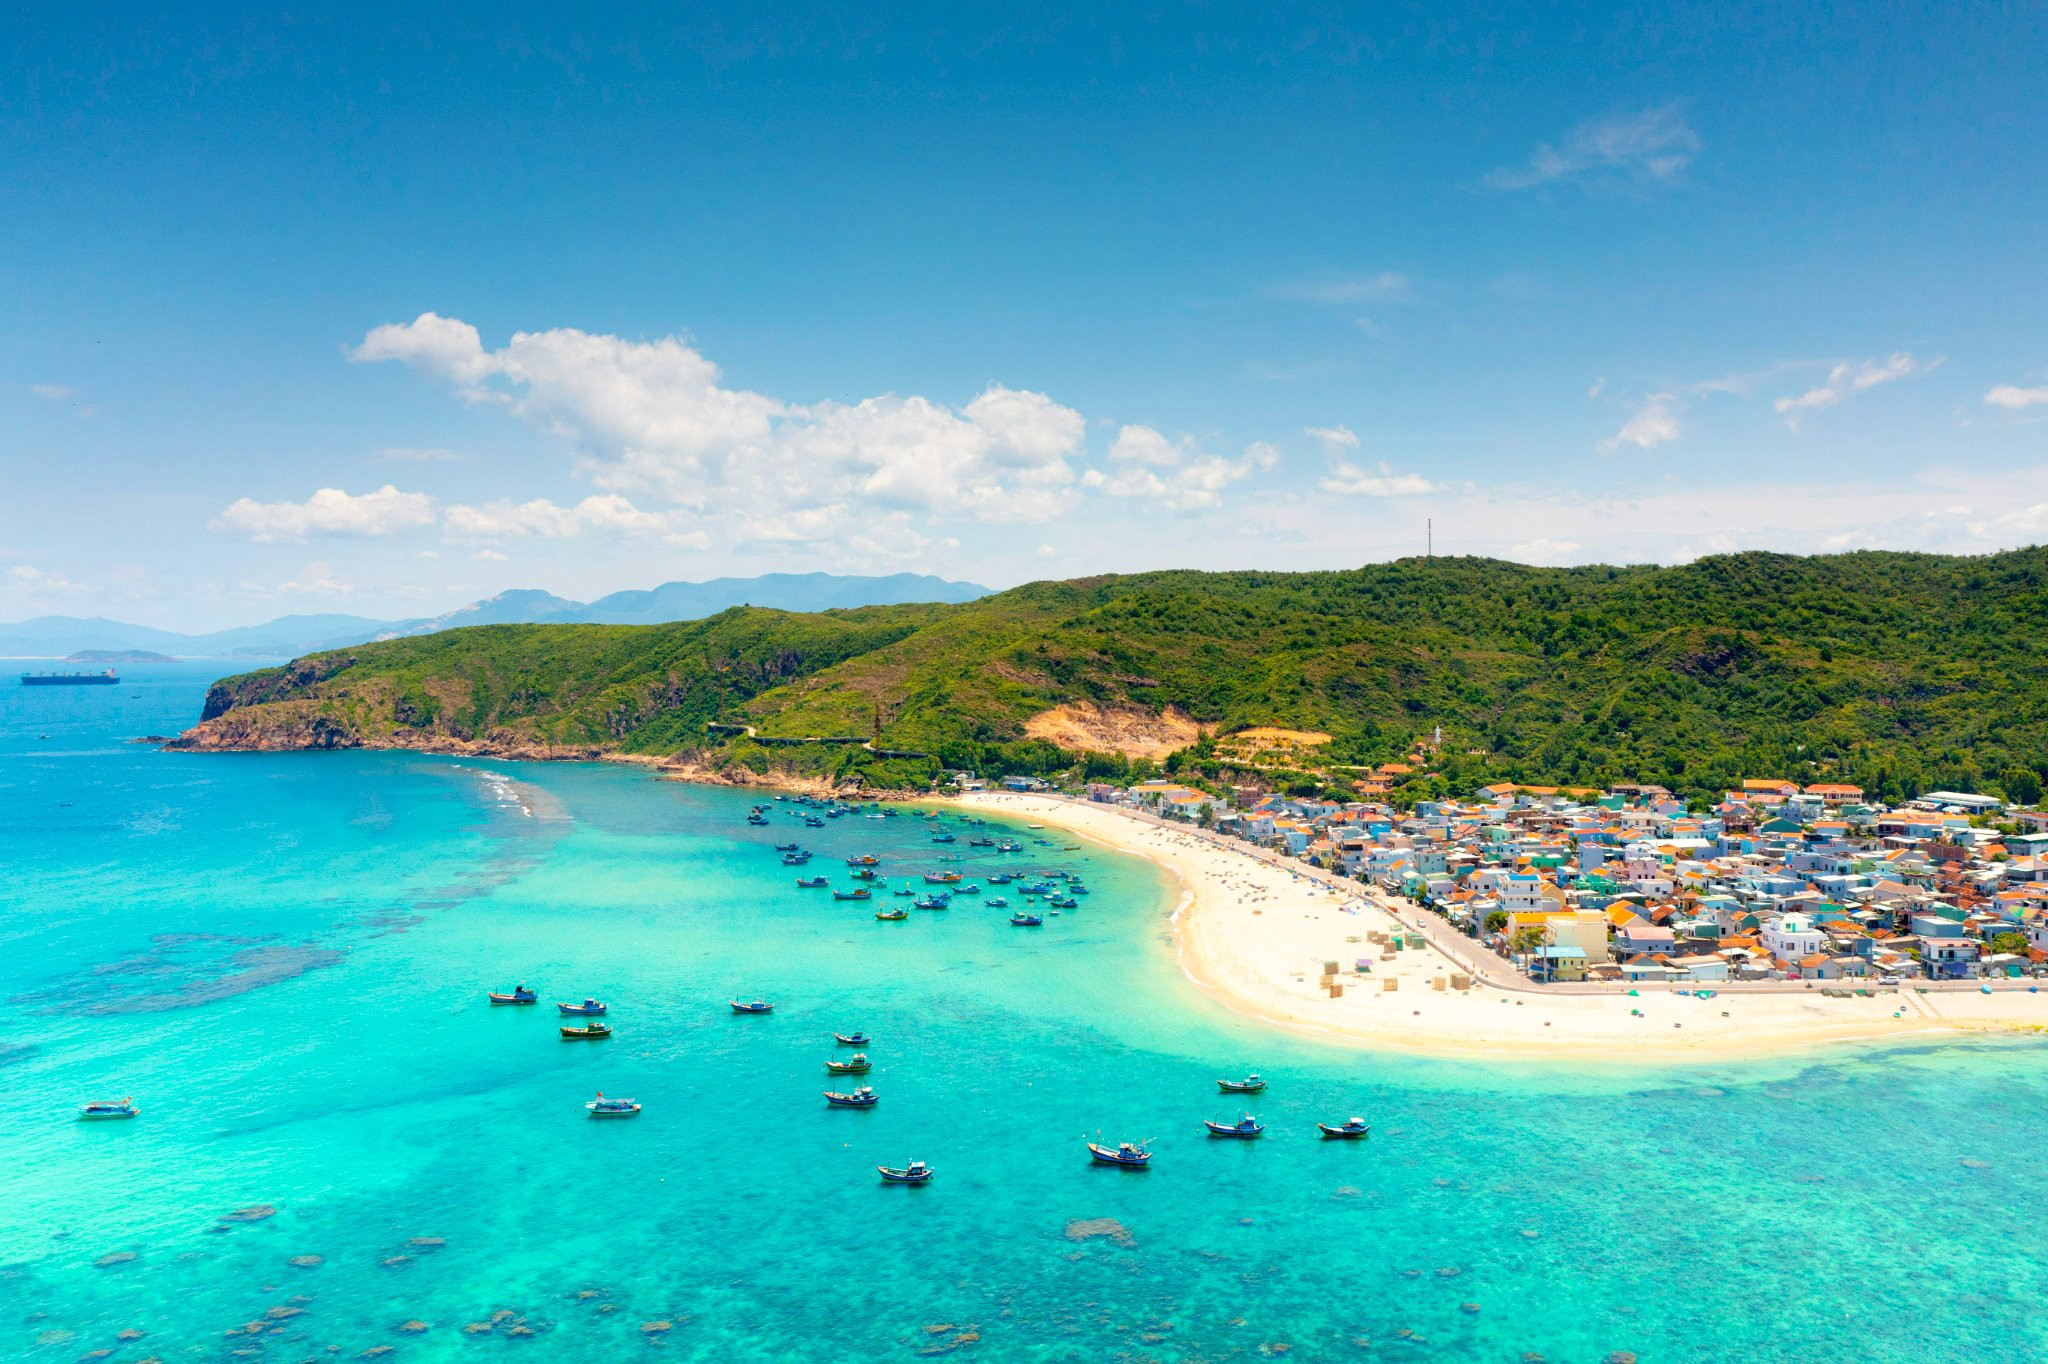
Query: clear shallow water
x=283 y=958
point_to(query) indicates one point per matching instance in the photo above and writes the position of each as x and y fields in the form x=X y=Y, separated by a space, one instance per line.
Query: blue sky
x=371 y=313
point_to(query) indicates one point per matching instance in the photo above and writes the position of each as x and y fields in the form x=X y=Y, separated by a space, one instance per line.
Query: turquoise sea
x=283 y=958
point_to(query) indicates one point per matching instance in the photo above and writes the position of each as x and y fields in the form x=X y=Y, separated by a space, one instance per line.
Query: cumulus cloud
x=1850 y=376
x=28 y=580
x=1350 y=480
x=656 y=418
x=1177 y=474
x=1654 y=144
x=599 y=514
x=2016 y=398
x=1333 y=438
x=329 y=511
x=1653 y=423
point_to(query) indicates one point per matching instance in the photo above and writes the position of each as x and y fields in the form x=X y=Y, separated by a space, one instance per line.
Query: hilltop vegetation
x=1899 y=672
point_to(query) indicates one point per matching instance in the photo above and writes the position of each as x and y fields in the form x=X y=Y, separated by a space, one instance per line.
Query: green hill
x=1897 y=671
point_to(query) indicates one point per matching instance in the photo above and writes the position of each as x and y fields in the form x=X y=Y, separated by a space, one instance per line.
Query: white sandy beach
x=1256 y=936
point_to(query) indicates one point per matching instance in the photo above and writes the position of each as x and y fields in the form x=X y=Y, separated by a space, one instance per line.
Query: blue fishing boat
x=967 y=888
x=813 y=822
x=942 y=878
x=1130 y=1154
x=1021 y=920
x=789 y=847
x=1250 y=1084
x=944 y=838
x=864 y=1097
x=1076 y=888
x=1001 y=878
x=757 y=1007
x=931 y=902
x=588 y=1006
x=601 y=1107
x=1246 y=1127
x=996 y=902
x=1009 y=845
x=866 y=874
x=1063 y=902
x=520 y=995
x=981 y=842
x=110 y=1108
x=1349 y=1130
x=812 y=882
x=757 y=819
x=917 y=1172
x=850 y=1039
x=795 y=859
x=864 y=860
x=857 y=893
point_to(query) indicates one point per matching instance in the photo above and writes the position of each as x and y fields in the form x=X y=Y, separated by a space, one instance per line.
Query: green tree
x=2022 y=785
x=2009 y=942
x=1496 y=921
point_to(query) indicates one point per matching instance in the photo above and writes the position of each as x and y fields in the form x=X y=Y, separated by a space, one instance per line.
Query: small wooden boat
x=588 y=1006
x=108 y=1108
x=1245 y=1127
x=905 y=893
x=942 y=878
x=812 y=882
x=892 y=915
x=917 y=1172
x=520 y=995
x=601 y=1107
x=1250 y=1084
x=857 y=893
x=864 y=1097
x=589 y=1033
x=1026 y=921
x=856 y=1064
x=850 y=1039
x=757 y=1007
x=1350 y=1130
x=1128 y=1153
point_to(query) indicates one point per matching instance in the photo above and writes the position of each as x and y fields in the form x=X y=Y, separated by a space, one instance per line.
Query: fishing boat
x=795 y=859
x=520 y=995
x=1076 y=888
x=857 y=893
x=1350 y=1130
x=1021 y=920
x=944 y=838
x=1245 y=1127
x=864 y=1097
x=789 y=847
x=917 y=1172
x=967 y=888
x=1001 y=878
x=813 y=822
x=1250 y=1084
x=996 y=902
x=1063 y=902
x=588 y=1006
x=110 y=1108
x=757 y=818
x=812 y=882
x=864 y=860
x=866 y=874
x=931 y=902
x=981 y=842
x=601 y=1107
x=1009 y=845
x=892 y=914
x=850 y=1039
x=589 y=1033
x=942 y=878
x=856 y=1064
x=757 y=1007
x=1130 y=1154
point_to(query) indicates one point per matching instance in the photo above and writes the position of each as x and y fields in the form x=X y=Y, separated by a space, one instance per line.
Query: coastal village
x=1774 y=882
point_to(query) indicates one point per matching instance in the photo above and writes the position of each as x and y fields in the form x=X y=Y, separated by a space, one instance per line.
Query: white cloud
x=55 y=393
x=2014 y=398
x=1333 y=438
x=655 y=418
x=1543 y=550
x=489 y=556
x=1655 y=144
x=400 y=454
x=1175 y=474
x=1653 y=423
x=1367 y=288
x=599 y=514
x=1349 y=480
x=317 y=580
x=330 y=511
x=28 y=580
x=1850 y=376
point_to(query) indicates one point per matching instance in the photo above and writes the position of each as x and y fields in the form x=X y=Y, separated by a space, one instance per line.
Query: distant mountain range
x=289 y=636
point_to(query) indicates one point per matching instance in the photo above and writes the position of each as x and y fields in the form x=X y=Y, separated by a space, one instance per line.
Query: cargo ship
x=105 y=679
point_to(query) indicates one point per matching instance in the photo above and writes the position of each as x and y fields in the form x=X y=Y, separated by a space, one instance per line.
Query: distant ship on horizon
x=105 y=679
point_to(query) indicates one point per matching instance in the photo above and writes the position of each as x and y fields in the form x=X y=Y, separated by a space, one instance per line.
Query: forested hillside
x=1896 y=671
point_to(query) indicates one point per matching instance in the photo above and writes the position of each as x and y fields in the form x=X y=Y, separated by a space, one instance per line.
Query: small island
x=118 y=656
